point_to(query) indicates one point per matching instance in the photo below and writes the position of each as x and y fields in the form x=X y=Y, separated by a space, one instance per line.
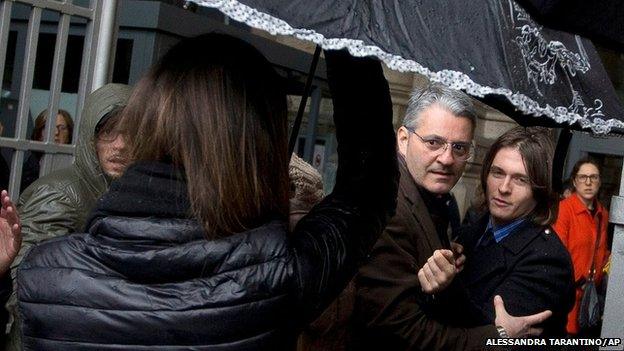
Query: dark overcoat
x=392 y=312
x=530 y=269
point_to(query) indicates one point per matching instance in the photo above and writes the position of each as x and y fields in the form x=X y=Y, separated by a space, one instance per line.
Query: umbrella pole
x=612 y=326
x=294 y=132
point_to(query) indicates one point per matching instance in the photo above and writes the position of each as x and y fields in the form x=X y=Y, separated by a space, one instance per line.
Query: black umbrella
x=491 y=49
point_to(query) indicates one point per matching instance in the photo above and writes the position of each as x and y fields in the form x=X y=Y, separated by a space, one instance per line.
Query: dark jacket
x=5 y=291
x=530 y=269
x=392 y=312
x=145 y=277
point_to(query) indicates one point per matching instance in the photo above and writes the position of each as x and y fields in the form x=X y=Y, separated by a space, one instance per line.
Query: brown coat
x=391 y=310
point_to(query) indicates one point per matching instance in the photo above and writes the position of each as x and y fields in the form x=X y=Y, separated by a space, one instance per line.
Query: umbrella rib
x=294 y=132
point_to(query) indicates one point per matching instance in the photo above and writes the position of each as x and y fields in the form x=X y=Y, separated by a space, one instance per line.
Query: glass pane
x=9 y=64
x=6 y=155
x=123 y=61
x=8 y=115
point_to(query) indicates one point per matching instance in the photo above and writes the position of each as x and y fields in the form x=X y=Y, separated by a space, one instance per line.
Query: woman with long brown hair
x=63 y=124
x=63 y=131
x=190 y=248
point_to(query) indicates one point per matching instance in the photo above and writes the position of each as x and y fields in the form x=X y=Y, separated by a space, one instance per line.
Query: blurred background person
x=306 y=189
x=582 y=226
x=64 y=125
x=62 y=135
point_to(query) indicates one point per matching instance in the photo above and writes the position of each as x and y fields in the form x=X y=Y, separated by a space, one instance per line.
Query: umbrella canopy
x=601 y=21
x=491 y=49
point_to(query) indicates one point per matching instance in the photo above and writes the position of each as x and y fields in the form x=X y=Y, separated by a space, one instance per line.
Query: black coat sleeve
x=335 y=236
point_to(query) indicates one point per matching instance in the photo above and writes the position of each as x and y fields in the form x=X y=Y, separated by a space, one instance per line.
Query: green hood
x=96 y=106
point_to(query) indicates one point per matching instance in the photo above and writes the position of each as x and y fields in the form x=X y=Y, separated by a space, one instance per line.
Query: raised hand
x=438 y=272
x=10 y=232
x=518 y=327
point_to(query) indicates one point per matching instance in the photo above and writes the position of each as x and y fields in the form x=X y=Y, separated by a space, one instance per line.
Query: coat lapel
x=518 y=240
x=419 y=210
x=484 y=261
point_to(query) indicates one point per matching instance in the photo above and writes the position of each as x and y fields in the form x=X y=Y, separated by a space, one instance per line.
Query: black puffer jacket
x=145 y=278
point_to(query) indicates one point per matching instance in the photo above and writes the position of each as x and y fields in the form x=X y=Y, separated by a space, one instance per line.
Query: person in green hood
x=59 y=203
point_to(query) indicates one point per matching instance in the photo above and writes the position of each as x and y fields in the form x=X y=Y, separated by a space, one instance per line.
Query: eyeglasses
x=583 y=178
x=460 y=150
x=108 y=135
x=516 y=179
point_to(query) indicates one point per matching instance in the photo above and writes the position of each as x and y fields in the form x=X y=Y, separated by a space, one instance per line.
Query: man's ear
x=402 y=138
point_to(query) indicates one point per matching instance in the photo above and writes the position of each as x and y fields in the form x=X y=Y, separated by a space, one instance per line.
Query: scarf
x=146 y=189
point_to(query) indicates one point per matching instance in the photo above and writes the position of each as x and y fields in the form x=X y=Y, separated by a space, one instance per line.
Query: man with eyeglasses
x=392 y=310
x=59 y=203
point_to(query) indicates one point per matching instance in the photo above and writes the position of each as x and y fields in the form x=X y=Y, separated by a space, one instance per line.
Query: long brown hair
x=40 y=123
x=537 y=151
x=213 y=105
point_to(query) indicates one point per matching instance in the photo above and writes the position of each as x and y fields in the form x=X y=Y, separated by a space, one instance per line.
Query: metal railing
x=92 y=36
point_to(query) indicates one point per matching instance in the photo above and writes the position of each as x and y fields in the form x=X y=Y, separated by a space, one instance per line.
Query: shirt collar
x=502 y=232
x=579 y=205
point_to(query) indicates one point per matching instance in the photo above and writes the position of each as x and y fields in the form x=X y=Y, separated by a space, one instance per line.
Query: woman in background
x=64 y=125
x=582 y=226
x=64 y=128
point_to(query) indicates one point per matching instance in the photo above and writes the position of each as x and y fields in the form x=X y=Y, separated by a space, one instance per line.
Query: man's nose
x=446 y=157
x=118 y=142
x=505 y=186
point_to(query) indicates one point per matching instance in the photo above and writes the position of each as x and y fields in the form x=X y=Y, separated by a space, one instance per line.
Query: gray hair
x=458 y=103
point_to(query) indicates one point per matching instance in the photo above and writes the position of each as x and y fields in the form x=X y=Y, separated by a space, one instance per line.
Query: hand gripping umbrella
x=491 y=49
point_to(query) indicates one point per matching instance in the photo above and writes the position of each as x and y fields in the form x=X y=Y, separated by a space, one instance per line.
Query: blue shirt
x=501 y=233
